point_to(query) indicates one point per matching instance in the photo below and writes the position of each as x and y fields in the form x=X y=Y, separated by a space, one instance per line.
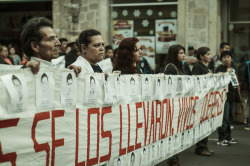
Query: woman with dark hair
x=16 y=58
x=4 y=57
x=224 y=131
x=128 y=54
x=200 y=68
x=174 y=59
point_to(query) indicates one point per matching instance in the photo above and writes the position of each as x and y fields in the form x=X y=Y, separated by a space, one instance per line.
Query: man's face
x=45 y=81
x=4 y=53
x=225 y=48
x=63 y=46
x=190 y=52
x=48 y=48
x=109 y=53
x=95 y=50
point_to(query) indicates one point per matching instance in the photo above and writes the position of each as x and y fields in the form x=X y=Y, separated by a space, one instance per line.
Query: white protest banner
x=91 y=132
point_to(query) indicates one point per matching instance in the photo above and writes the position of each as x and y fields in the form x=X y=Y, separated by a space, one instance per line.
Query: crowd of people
x=42 y=49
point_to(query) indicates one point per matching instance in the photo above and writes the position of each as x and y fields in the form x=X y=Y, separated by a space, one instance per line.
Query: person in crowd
x=4 y=56
x=109 y=52
x=24 y=59
x=174 y=59
x=73 y=54
x=200 y=68
x=143 y=64
x=128 y=54
x=247 y=80
x=91 y=45
x=224 y=131
x=215 y=62
x=63 y=47
x=40 y=43
x=191 y=58
x=16 y=58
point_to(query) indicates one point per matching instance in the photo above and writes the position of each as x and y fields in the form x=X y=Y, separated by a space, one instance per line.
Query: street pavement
x=234 y=155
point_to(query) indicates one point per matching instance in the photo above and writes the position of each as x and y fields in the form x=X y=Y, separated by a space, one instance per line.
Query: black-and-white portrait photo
x=146 y=87
x=17 y=88
x=45 y=87
x=119 y=90
x=169 y=87
x=108 y=92
x=179 y=86
x=68 y=89
x=91 y=89
x=158 y=95
x=132 y=88
x=118 y=161
x=144 y=156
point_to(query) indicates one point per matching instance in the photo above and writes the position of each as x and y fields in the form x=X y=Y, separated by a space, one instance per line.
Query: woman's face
x=95 y=50
x=226 y=60
x=206 y=58
x=4 y=53
x=12 y=51
x=181 y=55
x=138 y=52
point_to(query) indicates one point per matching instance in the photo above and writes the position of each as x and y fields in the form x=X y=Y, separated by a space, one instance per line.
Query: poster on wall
x=121 y=30
x=148 y=49
x=165 y=36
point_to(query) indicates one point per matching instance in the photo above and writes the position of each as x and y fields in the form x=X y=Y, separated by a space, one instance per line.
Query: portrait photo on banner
x=17 y=89
x=120 y=96
x=144 y=156
x=179 y=86
x=68 y=89
x=45 y=88
x=108 y=90
x=158 y=95
x=169 y=86
x=133 y=90
x=146 y=84
x=92 y=89
x=189 y=85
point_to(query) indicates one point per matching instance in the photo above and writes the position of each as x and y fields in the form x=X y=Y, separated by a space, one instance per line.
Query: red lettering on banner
x=146 y=122
x=152 y=124
x=203 y=109
x=138 y=125
x=207 y=114
x=124 y=150
x=93 y=161
x=163 y=135
x=191 y=124
x=106 y=134
x=182 y=109
x=158 y=119
x=40 y=147
x=189 y=114
x=77 y=140
x=187 y=108
x=9 y=157
x=169 y=117
x=59 y=142
x=211 y=104
x=130 y=147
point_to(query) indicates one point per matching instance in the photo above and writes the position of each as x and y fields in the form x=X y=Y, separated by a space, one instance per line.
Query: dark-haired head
x=125 y=55
x=172 y=56
x=224 y=47
x=15 y=78
x=85 y=37
x=225 y=53
x=201 y=52
x=44 y=77
x=31 y=33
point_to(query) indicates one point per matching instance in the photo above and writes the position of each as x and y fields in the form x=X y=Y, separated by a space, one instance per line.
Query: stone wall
x=199 y=24
x=70 y=17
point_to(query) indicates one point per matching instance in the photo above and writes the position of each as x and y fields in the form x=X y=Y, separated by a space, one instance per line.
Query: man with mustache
x=40 y=43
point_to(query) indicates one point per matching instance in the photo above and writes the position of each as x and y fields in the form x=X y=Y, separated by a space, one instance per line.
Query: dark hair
x=84 y=37
x=44 y=75
x=132 y=79
x=108 y=48
x=31 y=33
x=63 y=40
x=190 y=47
x=125 y=55
x=15 y=78
x=1 y=47
x=223 y=44
x=224 y=53
x=91 y=78
x=69 y=77
x=172 y=56
x=10 y=47
x=201 y=52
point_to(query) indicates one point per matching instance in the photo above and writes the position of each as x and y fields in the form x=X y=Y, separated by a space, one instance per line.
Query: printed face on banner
x=204 y=79
x=119 y=90
x=222 y=81
x=211 y=82
x=45 y=90
x=179 y=86
x=198 y=84
x=118 y=161
x=68 y=89
x=153 y=153
x=158 y=89
x=234 y=79
x=133 y=161
x=146 y=87
x=189 y=85
x=161 y=145
x=91 y=90
x=169 y=86
x=132 y=88
x=17 y=88
x=144 y=156
x=108 y=94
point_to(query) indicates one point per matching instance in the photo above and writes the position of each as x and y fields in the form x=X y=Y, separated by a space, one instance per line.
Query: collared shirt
x=86 y=66
x=58 y=63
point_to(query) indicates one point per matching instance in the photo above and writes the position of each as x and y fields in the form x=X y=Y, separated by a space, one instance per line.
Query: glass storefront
x=153 y=22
